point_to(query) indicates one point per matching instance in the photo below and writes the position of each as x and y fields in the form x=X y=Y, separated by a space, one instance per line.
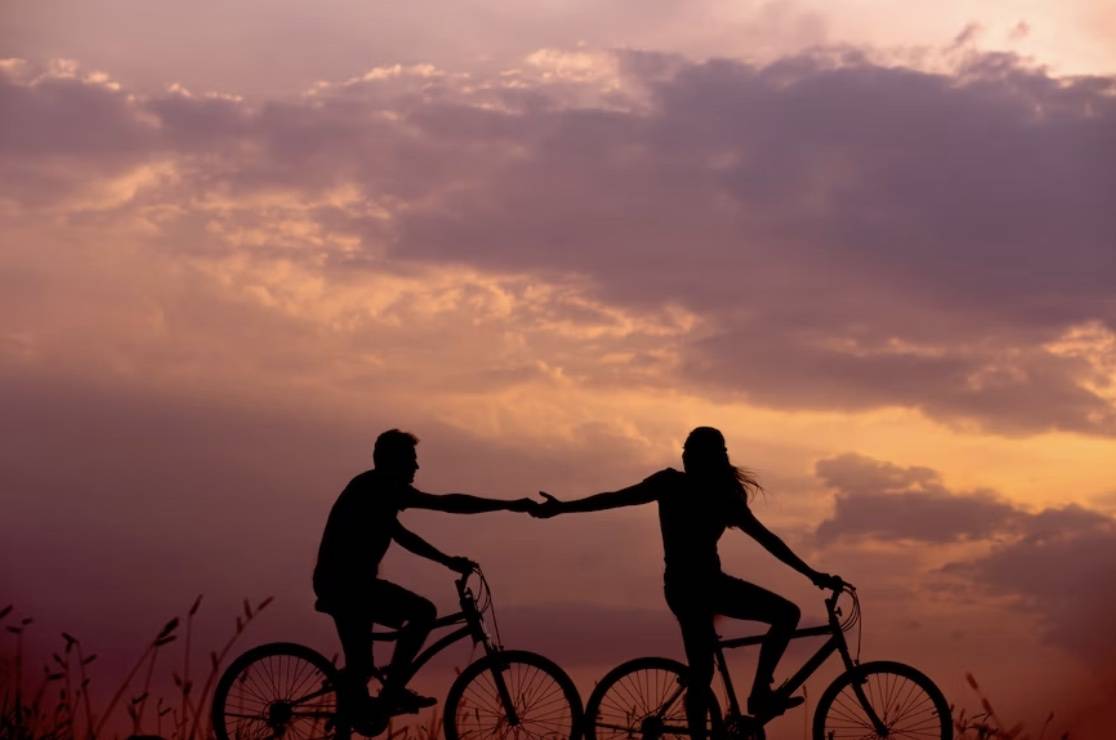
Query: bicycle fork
x=858 y=689
x=502 y=690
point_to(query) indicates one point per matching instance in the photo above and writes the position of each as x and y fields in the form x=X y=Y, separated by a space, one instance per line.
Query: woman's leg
x=698 y=639
x=689 y=599
x=742 y=600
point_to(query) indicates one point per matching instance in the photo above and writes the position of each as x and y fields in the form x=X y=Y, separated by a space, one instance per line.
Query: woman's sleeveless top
x=692 y=520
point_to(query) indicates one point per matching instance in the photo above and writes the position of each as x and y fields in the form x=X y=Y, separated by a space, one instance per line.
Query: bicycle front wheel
x=644 y=698
x=906 y=702
x=281 y=689
x=512 y=694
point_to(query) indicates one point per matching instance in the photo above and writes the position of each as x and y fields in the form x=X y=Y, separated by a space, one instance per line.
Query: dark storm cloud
x=851 y=234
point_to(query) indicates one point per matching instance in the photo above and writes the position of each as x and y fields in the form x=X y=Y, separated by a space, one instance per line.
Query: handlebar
x=461 y=582
x=479 y=603
x=835 y=591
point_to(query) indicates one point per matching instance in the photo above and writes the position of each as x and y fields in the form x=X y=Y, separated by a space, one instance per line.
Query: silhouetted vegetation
x=987 y=725
x=56 y=702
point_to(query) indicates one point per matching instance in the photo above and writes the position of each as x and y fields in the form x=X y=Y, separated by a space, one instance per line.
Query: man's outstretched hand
x=548 y=508
x=462 y=565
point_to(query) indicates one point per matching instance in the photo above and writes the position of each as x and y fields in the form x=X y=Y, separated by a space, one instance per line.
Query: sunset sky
x=874 y=244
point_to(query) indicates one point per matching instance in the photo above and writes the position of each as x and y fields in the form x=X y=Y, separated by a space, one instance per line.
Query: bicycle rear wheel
x=908 y=704
x=278 y=690
x=544 y=701
x=644 y=698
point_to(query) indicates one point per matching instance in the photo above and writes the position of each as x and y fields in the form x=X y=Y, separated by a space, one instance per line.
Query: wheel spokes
x=540 y=705
x=280 y=696
x=902 y=705
x=645 y=703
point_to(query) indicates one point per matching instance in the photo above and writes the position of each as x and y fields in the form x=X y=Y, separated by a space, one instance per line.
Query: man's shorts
x=379 y=601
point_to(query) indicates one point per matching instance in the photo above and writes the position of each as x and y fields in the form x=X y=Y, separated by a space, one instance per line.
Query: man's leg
x=742 y=600
x=414 y=617
x=354 y=627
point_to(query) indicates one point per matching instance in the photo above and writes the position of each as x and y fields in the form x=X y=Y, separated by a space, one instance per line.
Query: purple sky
x=877 y=253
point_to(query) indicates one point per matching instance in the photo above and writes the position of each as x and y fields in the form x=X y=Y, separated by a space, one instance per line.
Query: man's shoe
x=771 y=703
x=405 y=701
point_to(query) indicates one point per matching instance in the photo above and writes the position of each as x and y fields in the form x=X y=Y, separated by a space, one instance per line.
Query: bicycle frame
x=835 y=643
x=472 y=627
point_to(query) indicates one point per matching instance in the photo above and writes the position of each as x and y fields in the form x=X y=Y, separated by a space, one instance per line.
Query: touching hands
x=523 y=505
x=548 y=508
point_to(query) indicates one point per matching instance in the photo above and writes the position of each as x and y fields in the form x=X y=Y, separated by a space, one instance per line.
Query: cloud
x=881 y=500
x=839 y=233
x=1058 y=562
x=1063 y=568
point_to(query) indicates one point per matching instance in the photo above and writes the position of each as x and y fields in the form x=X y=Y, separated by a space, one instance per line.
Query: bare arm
x=640 y=493
x=463 y=503
x=774 y=545
x=411 y=541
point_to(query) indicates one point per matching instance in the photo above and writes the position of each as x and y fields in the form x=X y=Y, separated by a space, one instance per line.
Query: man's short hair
x=391 y=446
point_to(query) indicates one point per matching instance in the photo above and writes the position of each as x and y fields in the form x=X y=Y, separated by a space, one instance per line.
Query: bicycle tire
x=544 y=697
x=626 y=702
x=243 y=706
x=905 y=699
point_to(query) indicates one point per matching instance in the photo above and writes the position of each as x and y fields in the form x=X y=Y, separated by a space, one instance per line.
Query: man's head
x=394 y=455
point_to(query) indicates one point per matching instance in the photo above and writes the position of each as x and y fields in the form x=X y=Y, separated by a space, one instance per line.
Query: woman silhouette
x=695 y=508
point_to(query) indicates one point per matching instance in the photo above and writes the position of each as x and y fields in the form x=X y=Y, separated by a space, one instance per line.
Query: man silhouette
x=361 y=525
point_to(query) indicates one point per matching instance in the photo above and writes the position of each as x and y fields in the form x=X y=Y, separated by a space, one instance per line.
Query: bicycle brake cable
x=859 y=626
x=491 y=608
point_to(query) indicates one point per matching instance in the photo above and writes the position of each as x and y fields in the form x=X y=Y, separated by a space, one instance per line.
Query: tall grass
x=987 y=725
x=57 y=704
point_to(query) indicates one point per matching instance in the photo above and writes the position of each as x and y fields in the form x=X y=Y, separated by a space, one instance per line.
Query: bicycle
x=644 y=698
x=285 y=689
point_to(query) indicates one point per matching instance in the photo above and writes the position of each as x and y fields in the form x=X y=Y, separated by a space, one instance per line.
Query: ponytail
x=746 y=482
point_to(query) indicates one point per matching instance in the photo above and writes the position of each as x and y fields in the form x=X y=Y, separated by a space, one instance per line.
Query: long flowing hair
x=706 y=456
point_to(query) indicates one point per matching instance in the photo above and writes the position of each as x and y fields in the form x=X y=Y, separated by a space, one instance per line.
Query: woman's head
x=705 y=451
x=705 y=455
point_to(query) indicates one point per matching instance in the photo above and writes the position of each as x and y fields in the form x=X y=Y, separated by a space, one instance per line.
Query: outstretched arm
x=463 y=503
x=411 y=541
x=774 y=545
x=640 y=493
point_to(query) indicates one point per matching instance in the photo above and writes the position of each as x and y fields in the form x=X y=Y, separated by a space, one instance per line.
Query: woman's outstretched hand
x=548 y=508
